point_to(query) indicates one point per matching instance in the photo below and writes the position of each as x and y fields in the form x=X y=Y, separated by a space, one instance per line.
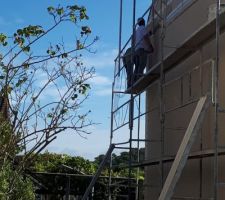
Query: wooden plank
x=184 y=149
x=144 y=81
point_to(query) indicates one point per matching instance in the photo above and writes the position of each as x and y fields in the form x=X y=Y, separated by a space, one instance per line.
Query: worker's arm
x=147 y=40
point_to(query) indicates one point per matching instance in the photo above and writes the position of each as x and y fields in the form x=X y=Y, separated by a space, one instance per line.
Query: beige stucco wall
x=197 y=178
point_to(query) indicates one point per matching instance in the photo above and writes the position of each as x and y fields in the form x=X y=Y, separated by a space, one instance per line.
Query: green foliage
x=13 y=185
x=56 y=163
x=83 y=88
x=24 y=34
x=75 y=12
x=60 y=11
x=51 y=162
x=7 y=139
x=79 y=45
x=121 y=162
x=83 y=14
x=21 y=81
x=85 y=30
x=23 y=37
x=3 y=39
x=51 y=52
x=29 y=31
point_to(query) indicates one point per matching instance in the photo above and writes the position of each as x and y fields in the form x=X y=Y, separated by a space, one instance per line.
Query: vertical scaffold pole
x=112 y=100
x=131 y=118
x=138 y=147
x=162 y=80
x=131 y=110
x=201 y=131
x=216 y=105
x=111 y=140
x=120 y=35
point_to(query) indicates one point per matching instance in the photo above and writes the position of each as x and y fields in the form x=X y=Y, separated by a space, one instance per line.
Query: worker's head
x=141 y=21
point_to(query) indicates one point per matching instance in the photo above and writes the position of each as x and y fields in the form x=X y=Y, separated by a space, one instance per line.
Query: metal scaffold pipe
x=138 y=148
x=162 y=81
x=98 y=172
x=112 y=103
x=131 y=110
x=120 y=35
x=216 y=98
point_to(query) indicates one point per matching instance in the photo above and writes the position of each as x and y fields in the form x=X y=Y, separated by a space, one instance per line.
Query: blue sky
x=104 y=18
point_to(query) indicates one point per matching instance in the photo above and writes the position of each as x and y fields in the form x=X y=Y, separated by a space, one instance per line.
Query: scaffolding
x=128 y=105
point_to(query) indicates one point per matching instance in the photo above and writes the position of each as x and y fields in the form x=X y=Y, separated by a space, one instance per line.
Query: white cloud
x=62 y=150
x=95 y=143
x=75 y=145
x=104 y=92
x=101 y=85
x=52 y=93
x=100 y=80
x=102 y=59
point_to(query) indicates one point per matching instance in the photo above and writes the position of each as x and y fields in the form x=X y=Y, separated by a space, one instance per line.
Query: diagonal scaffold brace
x=185 y=148
x=98 y=173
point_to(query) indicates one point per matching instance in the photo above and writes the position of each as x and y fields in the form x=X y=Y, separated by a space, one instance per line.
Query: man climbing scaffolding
x=128 y=64
x=143 y=47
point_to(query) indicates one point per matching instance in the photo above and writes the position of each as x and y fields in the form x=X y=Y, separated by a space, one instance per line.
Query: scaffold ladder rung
x=144 y=140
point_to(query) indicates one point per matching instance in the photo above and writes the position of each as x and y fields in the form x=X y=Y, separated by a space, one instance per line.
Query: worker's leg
x=142 y=62
x=137 y=64
x=129 y=70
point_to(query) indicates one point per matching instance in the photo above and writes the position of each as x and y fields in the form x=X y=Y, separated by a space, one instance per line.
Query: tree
x=48 y=166
x=121 y=162
x=52 y=162
x=12 y=184
x=28 y=75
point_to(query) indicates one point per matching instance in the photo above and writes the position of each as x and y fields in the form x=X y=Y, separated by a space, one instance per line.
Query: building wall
x=193 y=80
